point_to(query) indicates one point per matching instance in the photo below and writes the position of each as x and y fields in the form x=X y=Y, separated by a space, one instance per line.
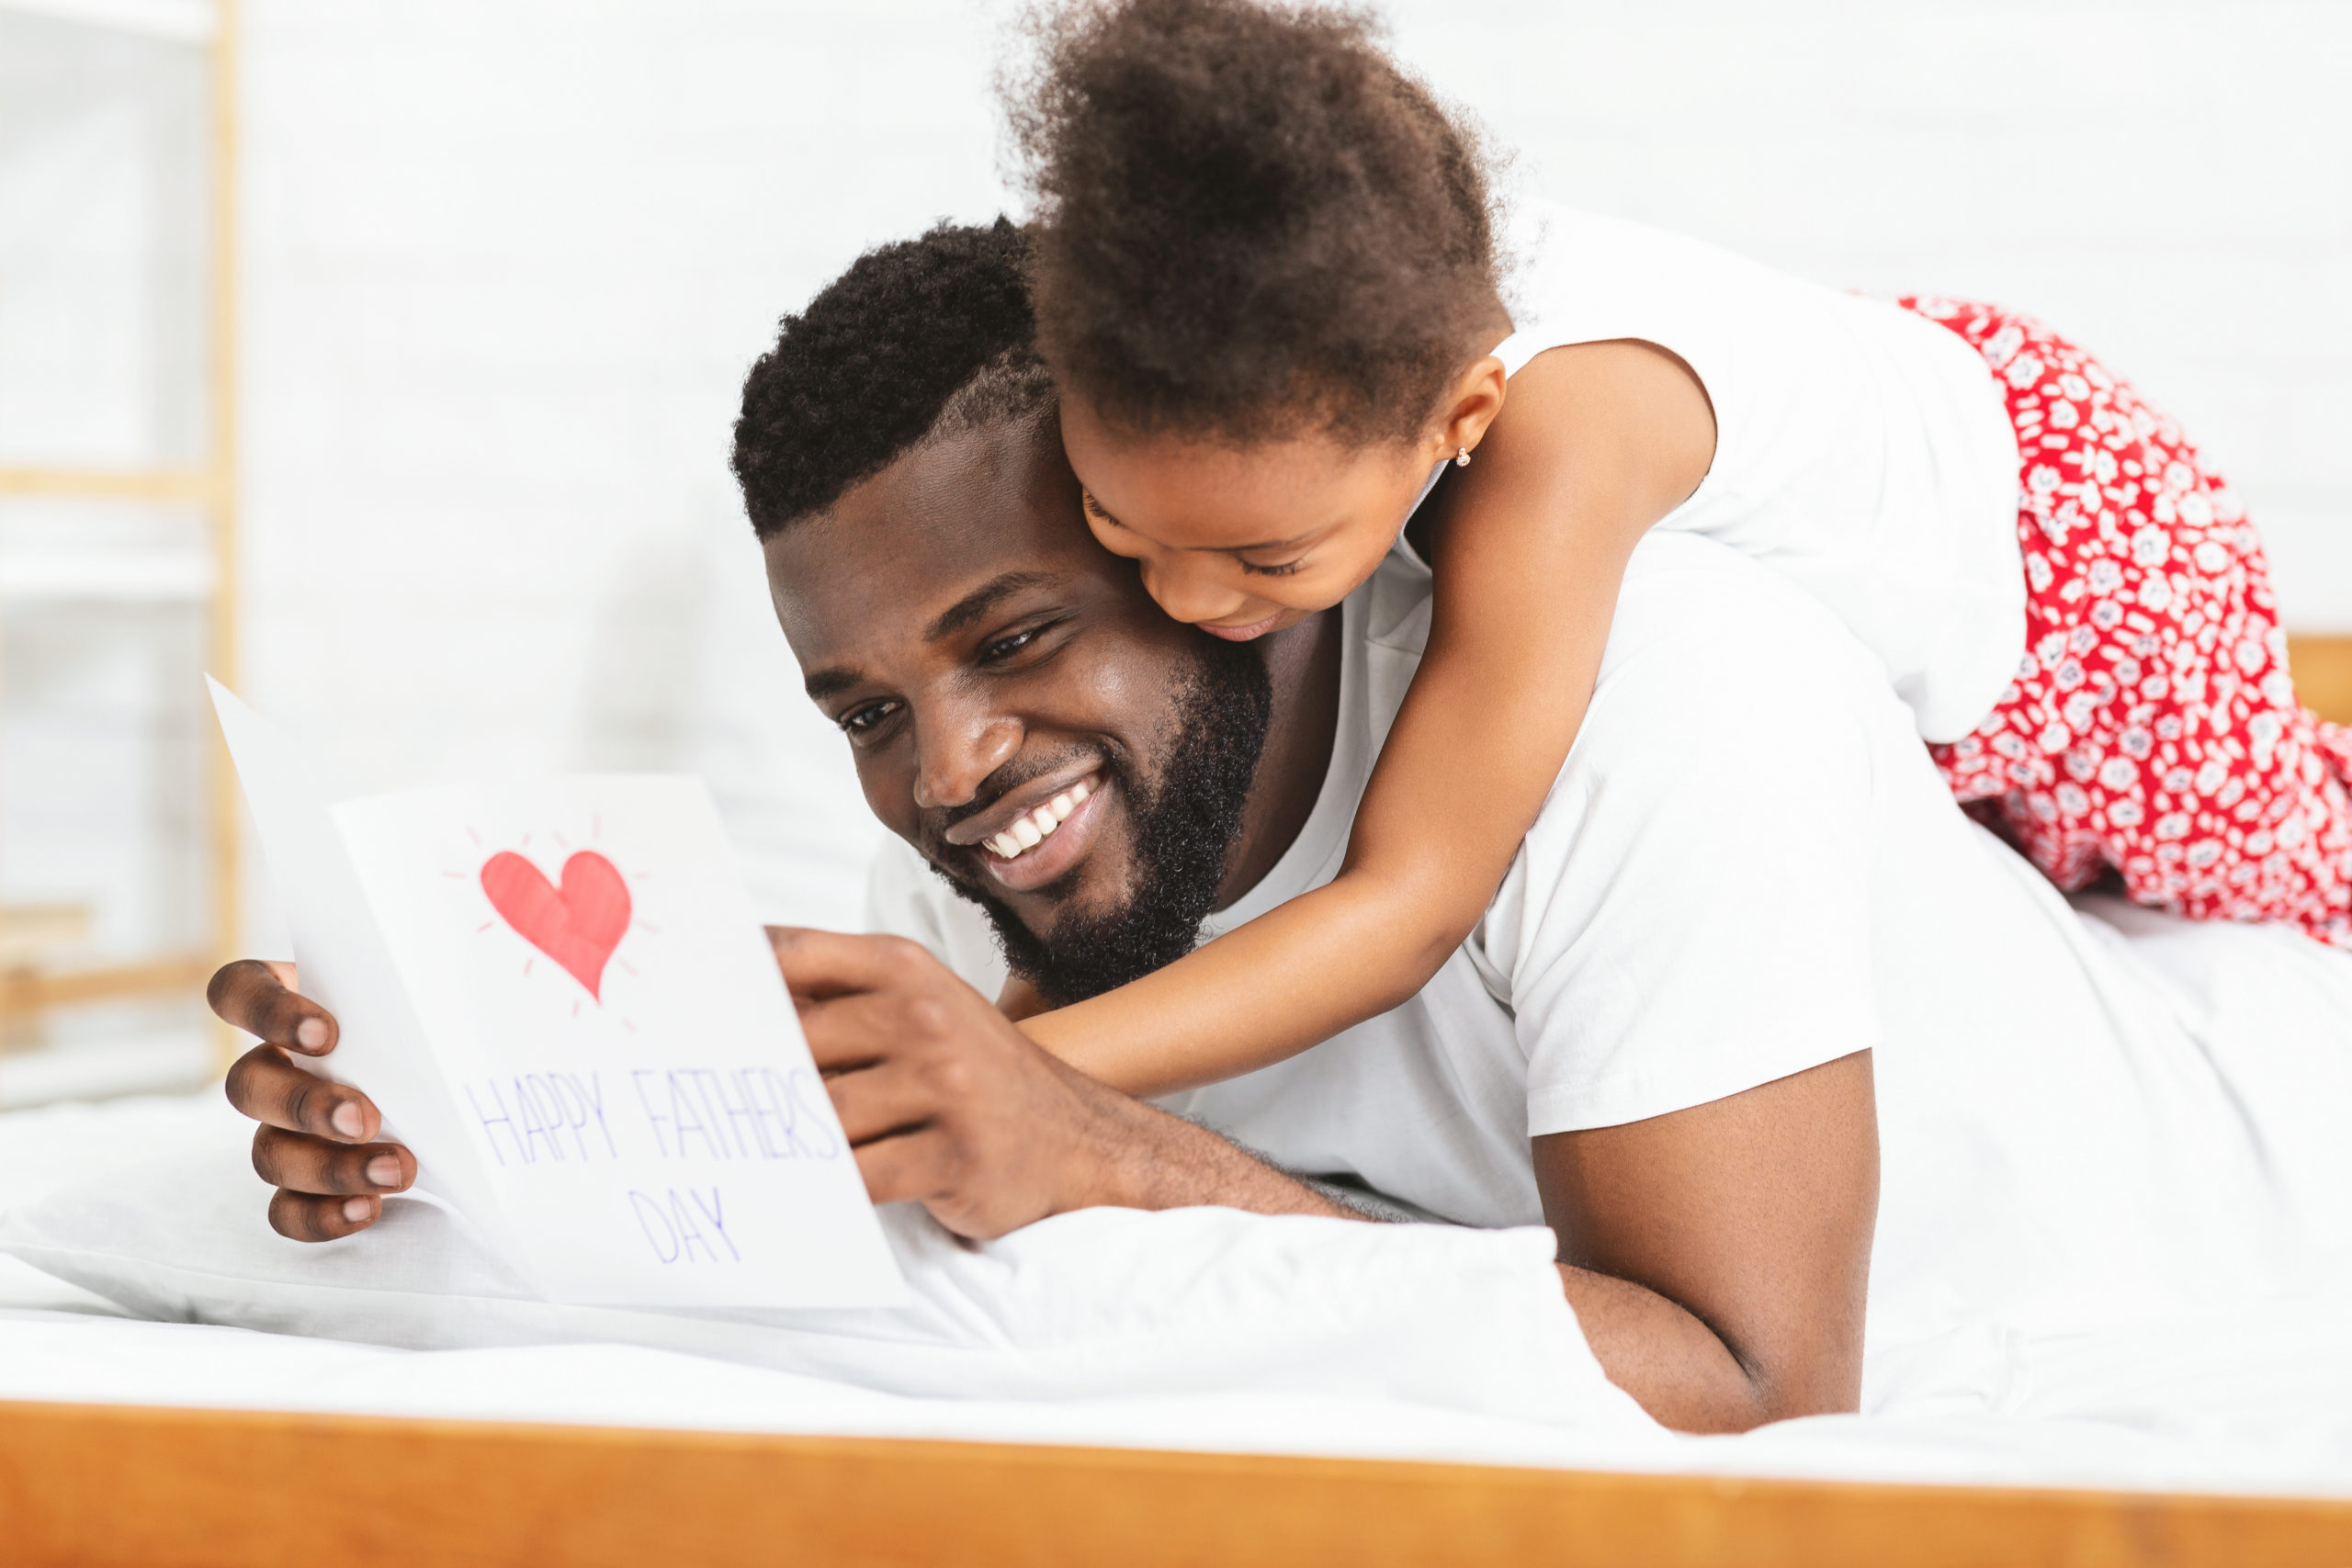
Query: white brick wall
x=2169 y=181
x=507 y=264
x=507 y=260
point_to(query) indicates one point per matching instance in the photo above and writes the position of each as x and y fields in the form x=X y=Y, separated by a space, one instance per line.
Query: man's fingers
x=266 y=1086
x=927 y=1167
x=816 y=964
x=259 y=997
x=312 y=1166
x=876 y=1104
x=904 y=1169
x=299 y=1216
x=856 y=1030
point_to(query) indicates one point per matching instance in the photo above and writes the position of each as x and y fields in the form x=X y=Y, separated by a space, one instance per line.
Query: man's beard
x=1183 y=831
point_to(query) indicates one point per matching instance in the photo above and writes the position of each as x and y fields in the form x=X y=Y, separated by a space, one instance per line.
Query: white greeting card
x=560 y=997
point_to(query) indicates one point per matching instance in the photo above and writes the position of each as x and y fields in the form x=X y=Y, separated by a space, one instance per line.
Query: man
x=1748 y=939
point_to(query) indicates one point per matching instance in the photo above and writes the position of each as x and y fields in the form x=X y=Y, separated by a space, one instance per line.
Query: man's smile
x=1039 y=829
x=1056 y=851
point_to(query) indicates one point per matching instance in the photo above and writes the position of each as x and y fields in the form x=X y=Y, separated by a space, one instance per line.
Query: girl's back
x=1860 y=449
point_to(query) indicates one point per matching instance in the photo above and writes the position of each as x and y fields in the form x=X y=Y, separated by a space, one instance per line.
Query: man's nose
x=1190 y=586
x=956 y=752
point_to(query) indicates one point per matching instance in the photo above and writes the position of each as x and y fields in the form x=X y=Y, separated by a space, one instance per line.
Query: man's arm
x=949 y=1105
x=1747 y=1224
x=946 y=1103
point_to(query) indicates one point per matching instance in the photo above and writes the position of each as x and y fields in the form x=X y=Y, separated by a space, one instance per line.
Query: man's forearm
x=1153 y=1160
x=1676 y=1366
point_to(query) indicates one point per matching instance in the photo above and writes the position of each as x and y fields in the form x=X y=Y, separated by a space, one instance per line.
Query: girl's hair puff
x=1252 y=223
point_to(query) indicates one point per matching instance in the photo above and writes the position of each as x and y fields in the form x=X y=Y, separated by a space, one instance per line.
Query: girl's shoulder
x=1579 y=277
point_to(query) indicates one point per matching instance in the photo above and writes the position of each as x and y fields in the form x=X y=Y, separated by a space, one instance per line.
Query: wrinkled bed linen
x=2258 y=1400
x=1205 y=1329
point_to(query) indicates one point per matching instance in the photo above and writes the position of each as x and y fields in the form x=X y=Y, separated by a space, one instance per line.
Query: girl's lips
x=1244 y=634
x=1053 y=855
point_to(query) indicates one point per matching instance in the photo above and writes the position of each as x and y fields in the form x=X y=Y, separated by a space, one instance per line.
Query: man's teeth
x=1027 y=832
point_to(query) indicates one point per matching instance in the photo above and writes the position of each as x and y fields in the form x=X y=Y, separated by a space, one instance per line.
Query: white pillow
x=1106 y=1302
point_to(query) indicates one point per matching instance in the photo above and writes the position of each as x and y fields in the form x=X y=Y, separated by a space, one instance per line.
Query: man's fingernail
x=384 y=1170
x=311 y=1031
x=355 y=1208
x=348 y=1120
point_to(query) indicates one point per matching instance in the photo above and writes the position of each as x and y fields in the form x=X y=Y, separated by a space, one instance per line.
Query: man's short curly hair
x=1250 y=221
x=917 y=340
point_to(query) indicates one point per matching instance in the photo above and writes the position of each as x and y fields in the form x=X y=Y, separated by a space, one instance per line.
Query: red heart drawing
x=577 y=926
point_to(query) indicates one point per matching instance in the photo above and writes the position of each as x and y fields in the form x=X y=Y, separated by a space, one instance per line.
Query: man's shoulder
x=1719 y=626
x=1698 y=626
x=1690 y=914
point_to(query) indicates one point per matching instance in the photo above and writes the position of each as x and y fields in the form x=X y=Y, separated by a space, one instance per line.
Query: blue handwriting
x=676 y=1224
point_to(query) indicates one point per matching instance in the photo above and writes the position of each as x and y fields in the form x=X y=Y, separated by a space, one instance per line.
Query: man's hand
x=946 y=1103
x=949 y=1105
x=316 y=1144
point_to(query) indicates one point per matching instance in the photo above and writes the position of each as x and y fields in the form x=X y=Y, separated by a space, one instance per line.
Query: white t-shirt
x=1861 y=450
x=1748 y=867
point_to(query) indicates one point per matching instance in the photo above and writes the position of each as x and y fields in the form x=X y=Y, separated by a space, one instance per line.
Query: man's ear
x=1472 y=403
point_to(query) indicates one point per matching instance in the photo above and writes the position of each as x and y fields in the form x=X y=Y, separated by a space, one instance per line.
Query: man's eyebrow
x=830 y=681
x=980 y=601
x=835 y=678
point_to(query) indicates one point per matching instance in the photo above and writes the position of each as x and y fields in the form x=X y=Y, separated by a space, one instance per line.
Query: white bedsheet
x=2253 y=1405
x=2257 y=1397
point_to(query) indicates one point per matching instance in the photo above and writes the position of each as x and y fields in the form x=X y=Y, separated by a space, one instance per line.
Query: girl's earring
x=1462 y=456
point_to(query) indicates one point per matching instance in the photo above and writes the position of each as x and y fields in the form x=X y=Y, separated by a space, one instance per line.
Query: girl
x=1268 y=285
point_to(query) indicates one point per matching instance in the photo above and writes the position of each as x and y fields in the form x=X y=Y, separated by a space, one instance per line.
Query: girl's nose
x=1192 y=587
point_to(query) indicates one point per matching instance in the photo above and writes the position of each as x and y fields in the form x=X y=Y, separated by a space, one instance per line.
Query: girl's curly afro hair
x=1250 y=221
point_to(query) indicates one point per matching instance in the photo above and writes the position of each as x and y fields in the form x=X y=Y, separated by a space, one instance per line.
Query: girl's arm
x=1019 y=1001
x=1595 y=443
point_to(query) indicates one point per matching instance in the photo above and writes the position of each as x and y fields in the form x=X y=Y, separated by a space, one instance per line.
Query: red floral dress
x=2152 y=727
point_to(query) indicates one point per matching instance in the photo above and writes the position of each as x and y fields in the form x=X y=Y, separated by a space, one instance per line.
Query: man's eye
x=1279 y=569
x=1006 y=646
x=859 y=721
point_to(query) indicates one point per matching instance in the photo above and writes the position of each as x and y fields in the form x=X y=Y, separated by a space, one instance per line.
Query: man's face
x=986 y=657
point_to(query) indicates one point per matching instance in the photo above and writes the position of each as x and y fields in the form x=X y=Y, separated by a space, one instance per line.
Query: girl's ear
x=1476 y=398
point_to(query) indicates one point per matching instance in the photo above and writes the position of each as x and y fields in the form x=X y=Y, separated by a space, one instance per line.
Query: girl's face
x=1245 y=541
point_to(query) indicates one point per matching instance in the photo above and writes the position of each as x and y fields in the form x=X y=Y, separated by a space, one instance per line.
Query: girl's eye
x=1281 y=569
x=860 y=721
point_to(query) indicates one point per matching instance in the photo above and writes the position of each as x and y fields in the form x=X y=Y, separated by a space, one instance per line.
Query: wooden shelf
x=189 y=486
x=172 y=21
x=125 y=576
x=30 y=990
x=200 y=573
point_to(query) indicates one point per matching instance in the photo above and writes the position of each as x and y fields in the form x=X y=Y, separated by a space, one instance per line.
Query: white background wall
x=507 y=260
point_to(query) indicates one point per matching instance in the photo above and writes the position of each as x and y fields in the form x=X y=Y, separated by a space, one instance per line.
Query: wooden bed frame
x=99 y=1486
x=2323 y=668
